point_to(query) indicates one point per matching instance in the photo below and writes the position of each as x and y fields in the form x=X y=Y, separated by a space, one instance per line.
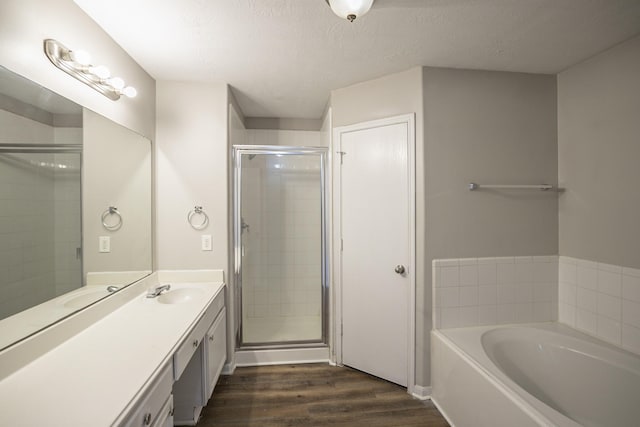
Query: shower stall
x=40 y=223
x=280 y=247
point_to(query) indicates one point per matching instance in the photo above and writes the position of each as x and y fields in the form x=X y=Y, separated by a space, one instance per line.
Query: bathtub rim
x=594 y=348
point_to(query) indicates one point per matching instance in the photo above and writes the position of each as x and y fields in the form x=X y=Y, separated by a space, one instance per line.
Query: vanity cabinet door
x=216 y=350
x=165 y=416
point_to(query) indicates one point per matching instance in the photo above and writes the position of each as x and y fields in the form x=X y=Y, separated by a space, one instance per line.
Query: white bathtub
x=543 y=374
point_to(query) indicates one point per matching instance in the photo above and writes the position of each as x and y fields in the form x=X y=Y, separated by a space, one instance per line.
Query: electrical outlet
x=206 y=242
x=104 y=244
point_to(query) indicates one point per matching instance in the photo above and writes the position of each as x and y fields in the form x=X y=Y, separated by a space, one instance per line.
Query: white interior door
x=376 y=226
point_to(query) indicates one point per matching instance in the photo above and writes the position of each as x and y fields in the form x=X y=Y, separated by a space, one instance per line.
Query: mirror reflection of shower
x=279 y=223
x=40 y=217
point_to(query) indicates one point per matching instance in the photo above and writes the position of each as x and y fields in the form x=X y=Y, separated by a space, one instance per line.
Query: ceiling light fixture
x=350 y=9
x=78 y=64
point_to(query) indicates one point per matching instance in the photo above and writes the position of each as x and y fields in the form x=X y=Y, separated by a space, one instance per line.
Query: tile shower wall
x=26 y=228
x=26 y=233
x=486 y=291
x=282 y=254
x=67 y=214
x=602 y=300
x=28 y=216
x=291 y=138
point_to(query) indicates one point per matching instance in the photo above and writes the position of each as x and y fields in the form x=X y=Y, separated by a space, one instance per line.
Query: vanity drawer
x=190 y=345
x=165 y=416
x=150 y=410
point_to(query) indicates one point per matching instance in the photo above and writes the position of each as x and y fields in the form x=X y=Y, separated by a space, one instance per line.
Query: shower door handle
x=399 y=269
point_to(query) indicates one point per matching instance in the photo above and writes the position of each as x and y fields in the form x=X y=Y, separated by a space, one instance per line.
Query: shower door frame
x=322 y=153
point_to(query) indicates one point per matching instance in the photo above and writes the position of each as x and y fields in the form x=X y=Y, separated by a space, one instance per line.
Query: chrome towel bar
x=543 y=187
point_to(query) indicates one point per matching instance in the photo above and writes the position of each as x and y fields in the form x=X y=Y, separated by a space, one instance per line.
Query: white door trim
x=409 y=119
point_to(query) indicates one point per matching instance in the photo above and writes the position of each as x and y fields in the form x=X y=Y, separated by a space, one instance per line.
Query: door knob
x=399 y=269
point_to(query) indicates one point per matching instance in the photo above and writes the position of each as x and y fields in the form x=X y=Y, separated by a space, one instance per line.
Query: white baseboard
x=228 y=368
x=281 y=356
x=443 y=413
x=422 y=393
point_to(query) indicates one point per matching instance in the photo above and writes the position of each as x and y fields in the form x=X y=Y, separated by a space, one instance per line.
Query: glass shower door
x=280 y=242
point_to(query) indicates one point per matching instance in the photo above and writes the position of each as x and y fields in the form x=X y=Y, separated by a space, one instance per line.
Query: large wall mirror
x=75 y=207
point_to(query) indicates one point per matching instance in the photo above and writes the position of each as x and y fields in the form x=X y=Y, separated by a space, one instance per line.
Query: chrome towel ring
x=197 y=210
x=112 y=211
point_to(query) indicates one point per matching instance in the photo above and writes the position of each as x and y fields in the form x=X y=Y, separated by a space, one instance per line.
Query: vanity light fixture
x=350 y=9
x=78 y=64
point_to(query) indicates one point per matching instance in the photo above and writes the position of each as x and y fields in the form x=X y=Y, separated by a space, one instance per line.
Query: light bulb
x=129 y=92
x=100 y=71
x=116 y=82
x=350 y=9
x=81 y=57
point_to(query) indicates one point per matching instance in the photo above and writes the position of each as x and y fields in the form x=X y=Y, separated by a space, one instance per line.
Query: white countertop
x=92 y=378
x=14 y=328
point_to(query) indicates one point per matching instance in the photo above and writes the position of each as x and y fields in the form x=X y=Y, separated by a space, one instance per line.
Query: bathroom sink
x=180 y=296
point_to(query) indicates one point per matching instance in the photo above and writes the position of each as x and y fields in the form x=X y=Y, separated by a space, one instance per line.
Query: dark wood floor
x=313 y=395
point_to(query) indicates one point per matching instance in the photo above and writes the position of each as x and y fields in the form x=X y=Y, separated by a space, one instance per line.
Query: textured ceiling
x=283 y=57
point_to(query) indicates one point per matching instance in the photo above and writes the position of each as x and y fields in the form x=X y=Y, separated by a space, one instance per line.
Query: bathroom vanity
x=146 y=362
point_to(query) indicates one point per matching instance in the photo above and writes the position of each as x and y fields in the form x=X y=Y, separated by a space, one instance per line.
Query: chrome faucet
x=157 y=291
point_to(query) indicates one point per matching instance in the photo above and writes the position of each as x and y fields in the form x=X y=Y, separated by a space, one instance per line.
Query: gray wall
x=493 y=128
x=487 y=127
x=599 y=154
x=481 y=126
x=236 y=136
x=191 y=169
x=116 y=172
x=27 y=234
x=282 y=123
